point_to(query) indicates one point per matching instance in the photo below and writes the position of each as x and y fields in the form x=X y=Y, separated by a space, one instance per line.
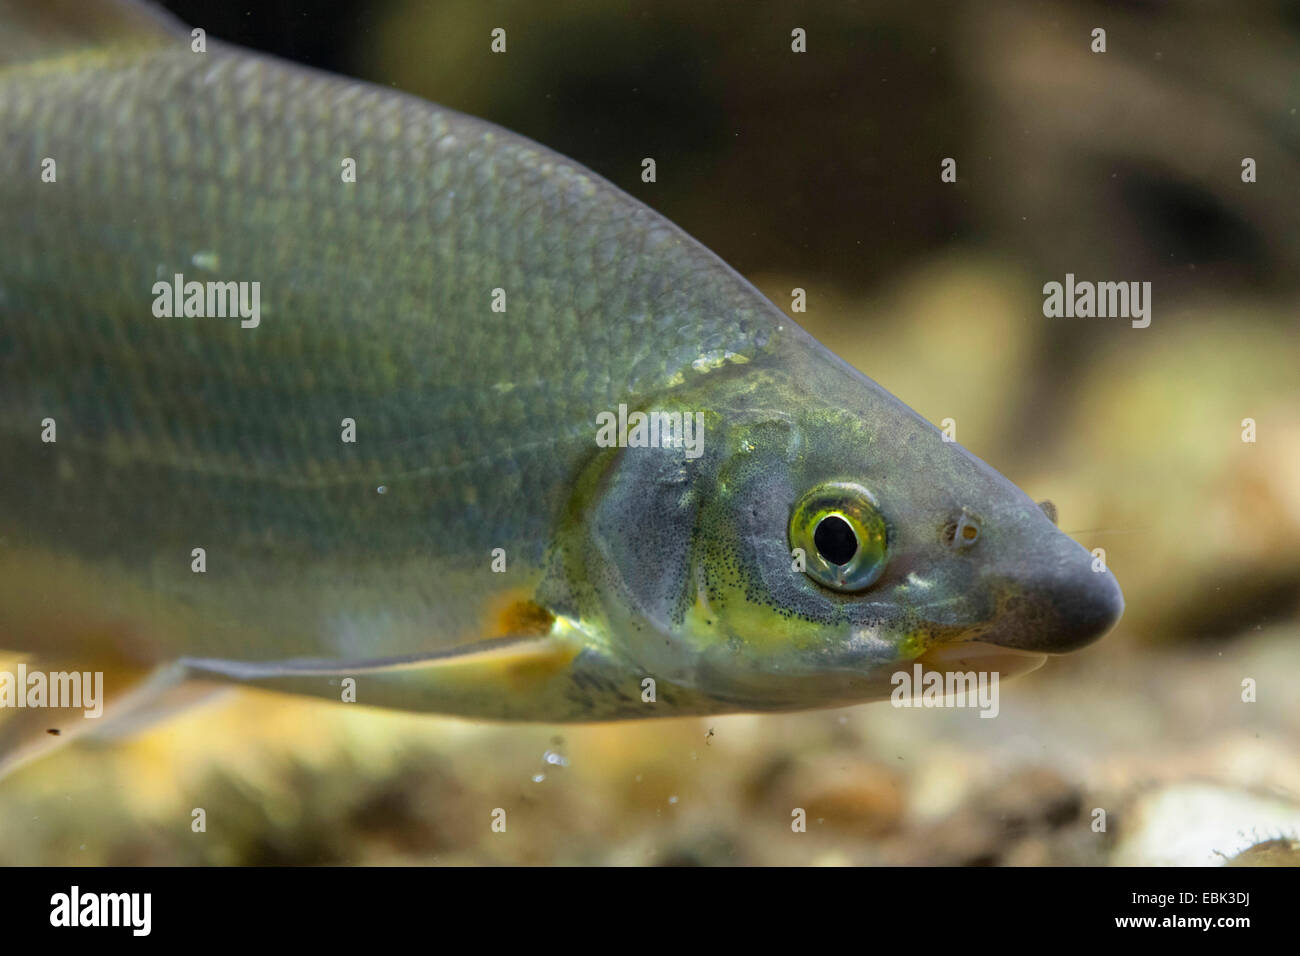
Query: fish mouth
x=979 y=656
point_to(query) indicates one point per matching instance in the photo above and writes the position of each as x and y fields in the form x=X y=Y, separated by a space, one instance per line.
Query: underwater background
x=821 y=171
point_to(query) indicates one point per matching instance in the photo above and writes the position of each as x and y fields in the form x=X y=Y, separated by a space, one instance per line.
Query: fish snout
x=1059 y=607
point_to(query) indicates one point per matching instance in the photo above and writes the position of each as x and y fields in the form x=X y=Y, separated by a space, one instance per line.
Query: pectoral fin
x=487 y=678
x=501 y=649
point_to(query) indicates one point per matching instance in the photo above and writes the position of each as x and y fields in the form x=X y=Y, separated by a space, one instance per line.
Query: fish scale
x=375 y=299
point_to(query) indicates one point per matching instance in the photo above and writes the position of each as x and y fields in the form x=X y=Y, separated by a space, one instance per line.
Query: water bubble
x=206 y=260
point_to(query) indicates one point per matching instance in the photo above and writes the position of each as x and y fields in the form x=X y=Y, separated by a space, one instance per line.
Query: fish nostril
x=962 y=532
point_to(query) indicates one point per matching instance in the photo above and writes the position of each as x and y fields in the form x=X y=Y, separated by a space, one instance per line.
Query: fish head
x=826 y=538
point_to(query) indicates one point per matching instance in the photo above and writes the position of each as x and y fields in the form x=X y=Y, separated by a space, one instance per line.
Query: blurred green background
x=821 y=171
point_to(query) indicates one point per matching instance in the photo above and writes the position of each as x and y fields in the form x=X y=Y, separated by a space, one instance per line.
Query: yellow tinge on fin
x=32 y=30
x=504 y=677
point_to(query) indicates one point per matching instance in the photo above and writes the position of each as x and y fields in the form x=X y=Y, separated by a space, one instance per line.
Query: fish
x=317 y=387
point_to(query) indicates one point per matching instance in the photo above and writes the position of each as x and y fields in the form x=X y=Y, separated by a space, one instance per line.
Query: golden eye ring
x=839 y=527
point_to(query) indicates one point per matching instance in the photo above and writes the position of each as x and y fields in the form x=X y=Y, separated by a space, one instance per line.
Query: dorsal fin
x=32 y=30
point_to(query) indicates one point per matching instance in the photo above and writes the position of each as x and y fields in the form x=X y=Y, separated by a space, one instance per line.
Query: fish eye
x=842 y=534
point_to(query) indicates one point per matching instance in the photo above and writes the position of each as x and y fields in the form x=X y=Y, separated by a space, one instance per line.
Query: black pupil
x=835 y=540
